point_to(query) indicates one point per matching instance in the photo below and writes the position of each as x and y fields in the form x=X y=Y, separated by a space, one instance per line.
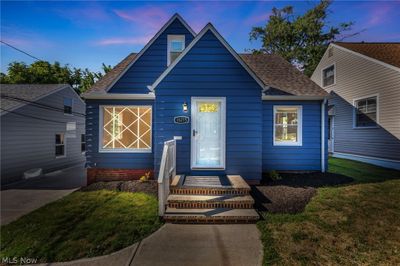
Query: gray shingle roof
x=25 y=92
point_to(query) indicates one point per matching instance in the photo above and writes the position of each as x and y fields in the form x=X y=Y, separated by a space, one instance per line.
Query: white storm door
x=208 y=133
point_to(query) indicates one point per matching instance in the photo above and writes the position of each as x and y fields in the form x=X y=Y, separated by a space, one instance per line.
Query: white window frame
x=72 y=106
x=65 y=146
x=172 y=38
x=119 y=150
x=334 y=75
x=299 y=141
x=355 y=111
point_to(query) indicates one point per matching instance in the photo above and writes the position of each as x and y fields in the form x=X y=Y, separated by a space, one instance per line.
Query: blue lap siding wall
x=121 y=160
x=290 y=158
x=209 y=70
x=151 y=64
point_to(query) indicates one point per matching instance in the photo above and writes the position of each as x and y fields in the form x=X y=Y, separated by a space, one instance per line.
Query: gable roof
x=385 y=52
x=14 y=96
x=279 y=74
x=208 y=27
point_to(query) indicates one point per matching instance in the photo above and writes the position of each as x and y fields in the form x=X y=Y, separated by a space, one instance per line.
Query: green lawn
x=348 y=225
x=82 y=224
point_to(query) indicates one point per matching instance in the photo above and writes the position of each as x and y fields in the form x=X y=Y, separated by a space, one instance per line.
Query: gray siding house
x=364 y=111
x=42 y=126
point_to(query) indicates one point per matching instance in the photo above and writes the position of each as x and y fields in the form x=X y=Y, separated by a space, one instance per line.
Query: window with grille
x=287 y=125
x=60 y=145
x=126 y=128
x=328 y=76
x=176 y=45
x=366 y=112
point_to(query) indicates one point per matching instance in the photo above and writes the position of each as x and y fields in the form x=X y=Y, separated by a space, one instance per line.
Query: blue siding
x=286 y=158
x=210 y=70
x=106 y=159
x=151 y=64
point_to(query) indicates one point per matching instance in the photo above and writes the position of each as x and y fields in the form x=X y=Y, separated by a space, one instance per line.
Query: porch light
x=185 y=107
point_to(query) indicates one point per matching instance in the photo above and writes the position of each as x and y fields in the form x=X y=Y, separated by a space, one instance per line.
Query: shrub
x=274 y=175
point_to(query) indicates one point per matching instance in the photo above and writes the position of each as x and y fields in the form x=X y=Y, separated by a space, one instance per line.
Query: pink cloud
x=379 y=15
x=124 y=41
x=150 y=17
x=258 y=18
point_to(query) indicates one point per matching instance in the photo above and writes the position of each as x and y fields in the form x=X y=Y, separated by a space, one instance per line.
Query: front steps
x=213 y=199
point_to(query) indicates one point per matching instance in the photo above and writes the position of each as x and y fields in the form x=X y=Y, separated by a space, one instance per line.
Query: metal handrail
x=167 y=170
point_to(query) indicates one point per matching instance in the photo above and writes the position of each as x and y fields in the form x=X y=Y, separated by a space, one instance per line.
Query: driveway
x=23 y=197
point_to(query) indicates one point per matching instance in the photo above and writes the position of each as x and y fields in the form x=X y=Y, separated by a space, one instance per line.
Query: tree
x=43 y=72
x=302 y=40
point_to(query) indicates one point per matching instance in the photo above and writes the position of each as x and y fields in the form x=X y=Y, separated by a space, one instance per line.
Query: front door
x=208 y=133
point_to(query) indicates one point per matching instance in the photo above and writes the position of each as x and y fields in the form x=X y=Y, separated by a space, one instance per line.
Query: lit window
x=67 y=106
x=328 y=76
x=60 y=145
x=176 y=44
x=287 y=125
x=126 y=128
x=366 y=112
x=83 y=143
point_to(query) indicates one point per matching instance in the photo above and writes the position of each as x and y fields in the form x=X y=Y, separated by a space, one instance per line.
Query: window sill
x=289 y=144
x=61 y=156
x=372 y=127
x=125 y=151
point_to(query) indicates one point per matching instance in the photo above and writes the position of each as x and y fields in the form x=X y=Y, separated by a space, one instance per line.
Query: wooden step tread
x=221 y=212
x=210 y=198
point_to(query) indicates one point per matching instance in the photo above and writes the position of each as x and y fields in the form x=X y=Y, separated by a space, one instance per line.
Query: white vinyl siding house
x=365 y=106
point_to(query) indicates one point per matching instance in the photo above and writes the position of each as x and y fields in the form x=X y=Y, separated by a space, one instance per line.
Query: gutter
x=119 y=96
x=323 y=135
x=292 y=98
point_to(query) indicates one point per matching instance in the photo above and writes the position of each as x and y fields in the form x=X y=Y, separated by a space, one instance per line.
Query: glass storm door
x=208 y=133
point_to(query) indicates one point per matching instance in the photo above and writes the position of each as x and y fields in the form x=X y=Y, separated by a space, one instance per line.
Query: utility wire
x=19 y=50
x=38 y=118
x=39 y=105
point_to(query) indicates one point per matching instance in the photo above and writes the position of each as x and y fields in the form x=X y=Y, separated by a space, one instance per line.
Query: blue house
x=230 y=113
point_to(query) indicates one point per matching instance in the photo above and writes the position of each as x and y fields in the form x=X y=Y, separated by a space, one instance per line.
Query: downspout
x=323 y=135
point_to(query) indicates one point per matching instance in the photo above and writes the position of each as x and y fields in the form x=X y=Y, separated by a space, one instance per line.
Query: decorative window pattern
x=67 y=106
x=366 y=112
x=126 y=128
x=60 y=145
x=328 y=76
x=176 y=44
x=83 y=143
x=287 y=125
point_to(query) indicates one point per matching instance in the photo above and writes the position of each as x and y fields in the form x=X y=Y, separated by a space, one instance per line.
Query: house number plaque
x=181 y=119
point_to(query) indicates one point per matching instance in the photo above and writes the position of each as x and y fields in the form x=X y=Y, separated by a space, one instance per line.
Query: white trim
x=388 y=163
x=332 y=133
x=211 y=28
x=323 y=136
x=334 y=76
x=299 y=141
x=119 y=150
x=193 y=109
x=355 y=110
x=170 y=38
x=293 y=98
x=65 y=146
x=120 y=96
x=147 y=46
x=367 y=57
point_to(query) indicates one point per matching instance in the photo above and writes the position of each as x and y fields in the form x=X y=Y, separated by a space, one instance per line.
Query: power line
x=19 y=50
x=39 y=105
x=38 y=118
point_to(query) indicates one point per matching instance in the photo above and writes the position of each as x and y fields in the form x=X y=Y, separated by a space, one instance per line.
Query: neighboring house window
x=67 y=106
x=288 y=125
x=126 y=128
x=366 y=111
x=60 y=145
x=176 y=44
x=328 y=76
x=83 y=143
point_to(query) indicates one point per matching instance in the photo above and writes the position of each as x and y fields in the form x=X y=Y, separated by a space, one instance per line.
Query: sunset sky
x=86 y=34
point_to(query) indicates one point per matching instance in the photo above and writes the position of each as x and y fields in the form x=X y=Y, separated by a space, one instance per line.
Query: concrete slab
x=201 y=245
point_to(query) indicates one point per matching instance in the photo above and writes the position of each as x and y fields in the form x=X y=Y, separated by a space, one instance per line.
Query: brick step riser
x=229 y=220
x=211 y=205
x=188 y=191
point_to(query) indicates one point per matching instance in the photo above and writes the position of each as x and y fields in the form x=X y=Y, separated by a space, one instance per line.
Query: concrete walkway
x=23 y=197
x=174 y=244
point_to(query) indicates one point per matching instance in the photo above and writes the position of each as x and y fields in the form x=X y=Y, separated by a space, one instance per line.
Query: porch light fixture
x=185 y=107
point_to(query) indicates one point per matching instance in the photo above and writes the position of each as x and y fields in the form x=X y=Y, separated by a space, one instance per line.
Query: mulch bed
x=292 y=193
x=149 y=187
